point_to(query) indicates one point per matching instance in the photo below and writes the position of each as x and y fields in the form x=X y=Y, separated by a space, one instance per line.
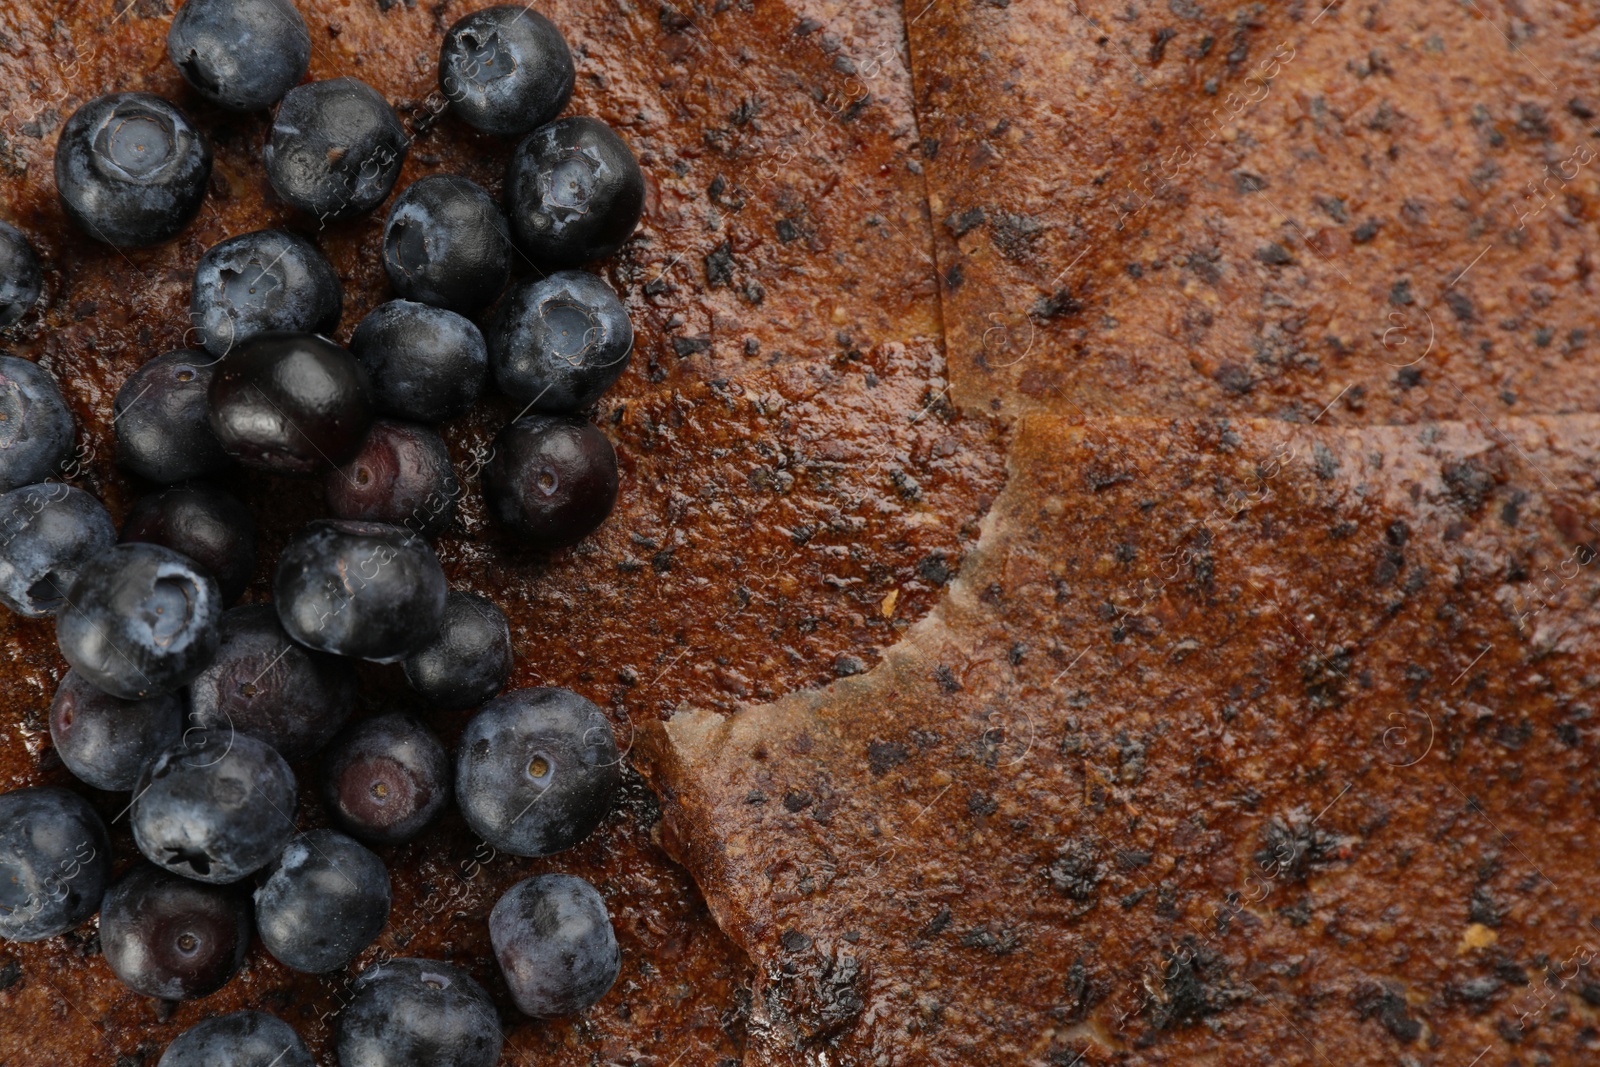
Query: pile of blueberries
x=197 y=710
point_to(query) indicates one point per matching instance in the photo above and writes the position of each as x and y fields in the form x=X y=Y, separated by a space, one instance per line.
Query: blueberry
x=163 y=420
x=536 y=770
x=446 y=243
x=131 y=169
x=106 y=741
x=242 y=55
x=201 y=522
x=325 y=900
x=140 y=620
x=35 y=425
x=263 y=684
x=239 y=1039
x=362 y=589
x=506 y=69
x=293 y=403
x=401 y=476
x=574 y=192
x=20 y=281
x=553 y=938
x=385 y=778
x=266 y=280
x=418 y=1013
x=48 y=533
x=552 y=480
x=470 y=659
x=215 y=807
x=168 y=937
x=557 y=343
x=426 y=364
x=335 y=148
x=55 y=861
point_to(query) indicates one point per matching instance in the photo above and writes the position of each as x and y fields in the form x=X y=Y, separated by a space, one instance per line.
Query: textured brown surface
x=1231 y=741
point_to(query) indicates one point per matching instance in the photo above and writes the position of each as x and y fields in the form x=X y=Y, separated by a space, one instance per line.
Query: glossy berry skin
x=446 y=243
x=553 y=939
x=551 y=481
x=215 y=807
x=266 y=280
x=361 y=589
x=105 y=741
x=385 y=778
x=574 y=193
x=55 y=862
x=335 y=149
x=35 y=425
x=557 y=343
x=131 y=169
x=163 y=420
x=168 y=937
x=140 y=620
x=469 y=660
x=239 y=1039
x=536 y=771
x=20 y=280
x=276 y=690
x=242 y=55
x=291 y=403
x=401 y=476
x=506 y=69
x=326 y=899
x=48 y=533
x=426 y=364
x=418 y=1013
x=202 y=522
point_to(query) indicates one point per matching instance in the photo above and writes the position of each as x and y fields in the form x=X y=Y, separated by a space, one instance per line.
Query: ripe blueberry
x=410 y=1012
x=239 y=1039
x=163 y=420
x=266 y=280
x=506 y=69
x=446 y=243
x=574 y=192
x=335 y=148
x=105 y=741
x=140 y=620
x=293 y=403
x=552 y=936
x=48 y=532
x=131 y=169
x=362 y=589
x=35 y=425
x=20 y=282
x=263 y=684
x=557 y=343
x=426 y=364
x=469 y=660
x=536 y=770
x=209 y=526
x=242 y=55
x=401 y=476
x=551 y=481
x=325 y=900
x=168 y=937
x=215 y=807
x=55 y=861
x=385 y=778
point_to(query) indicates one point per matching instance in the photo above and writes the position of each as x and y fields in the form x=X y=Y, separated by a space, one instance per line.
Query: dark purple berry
x=418 y=1013
x=209 y=526
x=292 y=403
x=105 y=741
x=385 y=778
x=239 y=1039
x=401 y=476
x=162 y=417
x=426 y=364
x=168 y=937
x=469 y=660
x=551 y=481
